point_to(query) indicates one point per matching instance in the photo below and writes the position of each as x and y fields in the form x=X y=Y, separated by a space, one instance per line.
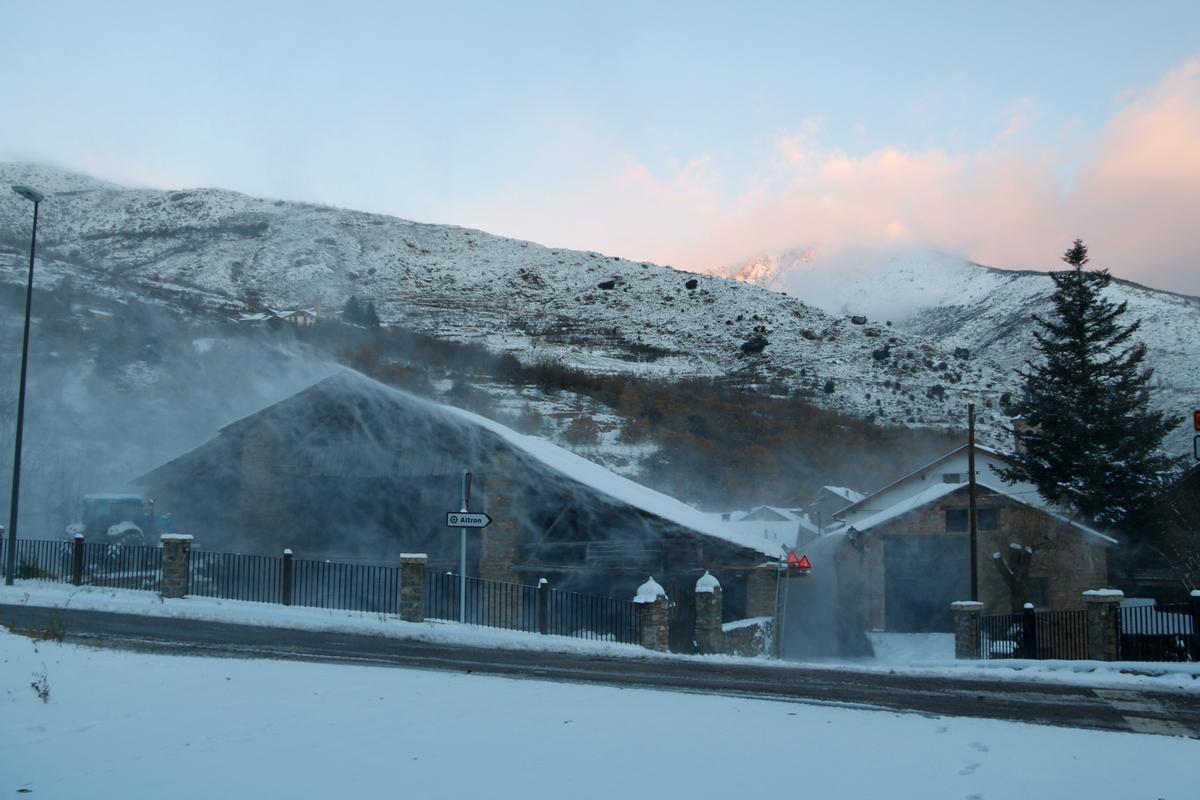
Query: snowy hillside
x=986 y=310
x=600 y=313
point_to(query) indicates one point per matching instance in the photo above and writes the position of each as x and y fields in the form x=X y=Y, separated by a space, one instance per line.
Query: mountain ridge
x=226 y=250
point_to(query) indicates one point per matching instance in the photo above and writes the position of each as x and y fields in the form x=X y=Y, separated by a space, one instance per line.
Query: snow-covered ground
x=916 y=654
x=132 y=725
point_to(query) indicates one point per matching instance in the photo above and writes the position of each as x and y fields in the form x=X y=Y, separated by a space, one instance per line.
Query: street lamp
x=35 y=197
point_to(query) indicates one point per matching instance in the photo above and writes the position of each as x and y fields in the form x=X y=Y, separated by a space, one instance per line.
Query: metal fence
x=531 y=608
x=352 y=587
x=330 y=584
x=491 y=603
x=1034 y=634
x=120 y=566
x=1157 y=633
x=592 y=617
x=87 y=563
x=233 y=576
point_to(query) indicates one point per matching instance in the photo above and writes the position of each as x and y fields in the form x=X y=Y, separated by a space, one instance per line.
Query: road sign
x=467 y=519
x=798 y=565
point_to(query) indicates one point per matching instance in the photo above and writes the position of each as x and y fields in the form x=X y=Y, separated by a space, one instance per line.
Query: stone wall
x=1066 y=562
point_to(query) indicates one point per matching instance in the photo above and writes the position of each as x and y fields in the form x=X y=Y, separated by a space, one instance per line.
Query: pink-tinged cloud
x=1133 y=195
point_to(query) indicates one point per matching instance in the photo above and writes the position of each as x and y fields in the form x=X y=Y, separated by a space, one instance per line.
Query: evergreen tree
x=370 y=317
x=352 y=311
x=1090 y=442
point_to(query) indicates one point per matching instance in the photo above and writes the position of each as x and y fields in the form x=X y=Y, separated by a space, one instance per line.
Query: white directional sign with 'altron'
x=467 y=519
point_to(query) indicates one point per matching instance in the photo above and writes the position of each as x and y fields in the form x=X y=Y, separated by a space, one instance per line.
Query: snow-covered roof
x=937 y=491
x=847 y=494
x=597 y=477
x=962 y=448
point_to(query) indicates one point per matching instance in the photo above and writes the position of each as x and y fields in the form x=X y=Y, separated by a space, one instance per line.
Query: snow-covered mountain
x=599 y=313
x=986 y=310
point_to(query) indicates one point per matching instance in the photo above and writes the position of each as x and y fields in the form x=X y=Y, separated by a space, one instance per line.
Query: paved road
x=1131 y=710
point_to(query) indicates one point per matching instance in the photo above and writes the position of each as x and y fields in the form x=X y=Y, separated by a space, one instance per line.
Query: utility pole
x=10 y=543
x=971 y=501
x=462 y=551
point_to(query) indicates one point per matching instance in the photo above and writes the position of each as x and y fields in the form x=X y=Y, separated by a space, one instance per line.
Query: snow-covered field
x=916 y=654
x=131 y=725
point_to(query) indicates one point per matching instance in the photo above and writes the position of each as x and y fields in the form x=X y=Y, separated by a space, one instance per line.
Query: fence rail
x=329 y=584
x=352 y=587
x=531 y=608
x=233 y=576
x=1034 y=634
x=1157 y=633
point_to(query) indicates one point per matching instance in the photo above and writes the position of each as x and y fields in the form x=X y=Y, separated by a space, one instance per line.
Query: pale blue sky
x=467 y=113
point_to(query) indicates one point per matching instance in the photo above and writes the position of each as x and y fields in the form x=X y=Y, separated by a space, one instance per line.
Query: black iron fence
x=530 y=608
x=1158 y=633
x=1034 y=634
x=87 y=563
x=331 y=584
x=233 y=576
x=587 y=616
x=352 y=587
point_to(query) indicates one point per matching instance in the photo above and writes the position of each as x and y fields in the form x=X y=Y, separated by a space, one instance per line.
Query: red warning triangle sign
x=803 y=563
x=798 y=562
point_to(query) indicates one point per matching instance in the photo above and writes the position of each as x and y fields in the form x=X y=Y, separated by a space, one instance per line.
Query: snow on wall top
x=707 y=584
x=649 y=592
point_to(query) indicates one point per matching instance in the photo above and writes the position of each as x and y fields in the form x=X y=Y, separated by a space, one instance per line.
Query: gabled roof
x=928 y=467
x=847 y=494
x=349 y=426
x=937 y=491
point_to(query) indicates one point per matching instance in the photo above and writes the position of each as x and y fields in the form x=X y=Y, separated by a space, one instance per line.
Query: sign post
x=462 y=557
x=463 y=519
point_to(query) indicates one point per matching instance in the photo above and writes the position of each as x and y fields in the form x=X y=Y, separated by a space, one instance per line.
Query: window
x=954 y=477
x=957 y=521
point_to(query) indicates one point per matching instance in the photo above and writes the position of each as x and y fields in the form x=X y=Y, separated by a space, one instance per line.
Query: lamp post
x=35 y=197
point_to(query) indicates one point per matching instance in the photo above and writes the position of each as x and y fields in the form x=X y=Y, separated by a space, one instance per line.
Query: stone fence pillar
x=77 y=560
x=412 y=586
x=966 y=628
x=709 y=636
x=176 y=548
x=652 y=614
x=1102 y=605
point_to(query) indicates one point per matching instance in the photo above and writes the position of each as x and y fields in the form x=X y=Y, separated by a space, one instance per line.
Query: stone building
x=352 y=469
x=906 y=551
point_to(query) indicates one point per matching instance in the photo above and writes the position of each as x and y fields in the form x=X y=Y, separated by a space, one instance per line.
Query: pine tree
x=1090 y=441
x=352 y=312
x=370 y=317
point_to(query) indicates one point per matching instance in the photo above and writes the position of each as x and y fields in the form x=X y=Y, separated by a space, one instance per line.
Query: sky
x=693 y=134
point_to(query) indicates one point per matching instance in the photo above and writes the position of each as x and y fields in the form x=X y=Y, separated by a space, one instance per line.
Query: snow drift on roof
x=602 y=480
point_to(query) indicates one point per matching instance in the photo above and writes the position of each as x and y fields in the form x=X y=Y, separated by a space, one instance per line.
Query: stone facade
x=966 y=628
x=175 y=550
x=1102 y=627
x=412 y=586
x=653 y=616
x=709 y=636
x=753 y=639
x=1066 y=561
x=762 y=589
x=498 y=541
